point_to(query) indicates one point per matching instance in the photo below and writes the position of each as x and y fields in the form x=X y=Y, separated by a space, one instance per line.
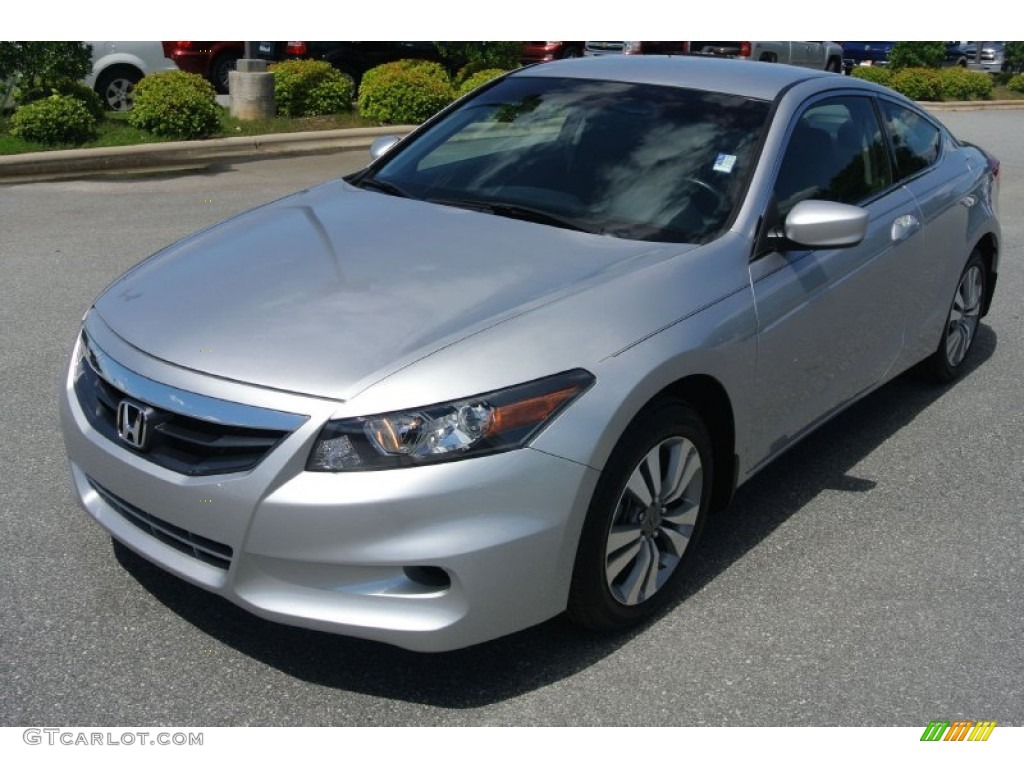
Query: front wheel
x=946 y=363
x=116 y=87
x=644 y=519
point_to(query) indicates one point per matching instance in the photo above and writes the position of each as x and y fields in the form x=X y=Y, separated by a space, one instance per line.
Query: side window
x=836 y=152
x=915 y=139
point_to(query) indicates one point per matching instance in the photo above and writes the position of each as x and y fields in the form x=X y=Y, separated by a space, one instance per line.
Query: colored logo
x=958 y=730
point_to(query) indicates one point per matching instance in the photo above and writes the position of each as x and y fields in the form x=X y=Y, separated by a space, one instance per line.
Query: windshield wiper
x=382 y=186
x=514 y=211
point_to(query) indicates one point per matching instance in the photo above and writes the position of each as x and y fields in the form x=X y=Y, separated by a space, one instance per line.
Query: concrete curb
x=963 y=106
x=68 y=163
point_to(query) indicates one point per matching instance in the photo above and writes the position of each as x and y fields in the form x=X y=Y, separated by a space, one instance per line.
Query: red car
x=212 y=60
x=536 y=52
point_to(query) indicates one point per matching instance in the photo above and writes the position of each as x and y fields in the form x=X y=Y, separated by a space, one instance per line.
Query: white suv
x=118 y=66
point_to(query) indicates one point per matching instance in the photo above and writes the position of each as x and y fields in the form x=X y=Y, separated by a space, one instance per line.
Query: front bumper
x=429 y=558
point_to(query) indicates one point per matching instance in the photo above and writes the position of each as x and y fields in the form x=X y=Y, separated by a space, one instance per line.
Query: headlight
x=476 y=426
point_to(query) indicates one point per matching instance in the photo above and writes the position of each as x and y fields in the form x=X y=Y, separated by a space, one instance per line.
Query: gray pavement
x=872 y=576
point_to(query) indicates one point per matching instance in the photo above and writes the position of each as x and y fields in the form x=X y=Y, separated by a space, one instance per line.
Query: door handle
x=904 y=226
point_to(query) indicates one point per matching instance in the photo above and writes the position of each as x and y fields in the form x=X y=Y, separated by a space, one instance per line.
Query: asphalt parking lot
x=872 y=576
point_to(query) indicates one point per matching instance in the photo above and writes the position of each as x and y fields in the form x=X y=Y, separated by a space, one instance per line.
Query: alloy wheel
x=964 y=315
x=119 y=94
x=653 y=521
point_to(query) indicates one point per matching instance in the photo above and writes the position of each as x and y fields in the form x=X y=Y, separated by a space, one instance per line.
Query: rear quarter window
x=915 y=139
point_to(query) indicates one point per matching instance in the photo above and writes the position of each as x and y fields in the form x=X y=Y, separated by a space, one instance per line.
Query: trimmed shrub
x=305 y=87
x=54 y=120
x=981 y=84
x=1016 y=83
x=476 y=80
x=918 y=83
x=956 y=85
x=72 y=88
x=880 y=75
x=431 y=68
x=175 y=104
x=405 y=91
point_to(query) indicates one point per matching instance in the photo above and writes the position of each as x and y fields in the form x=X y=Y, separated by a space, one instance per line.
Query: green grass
x=114 y=131
x=1001 y=92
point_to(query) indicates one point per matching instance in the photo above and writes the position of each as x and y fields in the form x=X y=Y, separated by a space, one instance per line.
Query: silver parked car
x=509 y=368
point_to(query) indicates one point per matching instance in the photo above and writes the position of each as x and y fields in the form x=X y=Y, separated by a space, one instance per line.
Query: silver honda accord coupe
x=509 y=368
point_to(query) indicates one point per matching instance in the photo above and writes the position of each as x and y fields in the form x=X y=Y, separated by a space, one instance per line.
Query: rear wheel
x=221 y=69
x=833 y=65
x=646 y=515
x=947 y=362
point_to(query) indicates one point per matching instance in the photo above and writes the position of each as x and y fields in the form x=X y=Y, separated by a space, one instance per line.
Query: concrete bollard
x=252 y=90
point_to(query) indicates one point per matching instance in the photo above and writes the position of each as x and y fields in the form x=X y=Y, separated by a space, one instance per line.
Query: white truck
x=816 y=54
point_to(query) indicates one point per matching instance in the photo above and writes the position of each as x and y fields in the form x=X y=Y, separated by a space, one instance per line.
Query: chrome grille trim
x=190 y=434
x=181 y=401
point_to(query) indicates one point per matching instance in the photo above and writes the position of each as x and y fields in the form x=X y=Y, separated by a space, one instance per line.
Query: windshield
x=636 y=161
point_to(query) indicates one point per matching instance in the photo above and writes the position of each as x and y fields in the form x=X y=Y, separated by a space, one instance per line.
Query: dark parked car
x=550 y=50
x=352 y=58
x=636 y=47
x=212 y=59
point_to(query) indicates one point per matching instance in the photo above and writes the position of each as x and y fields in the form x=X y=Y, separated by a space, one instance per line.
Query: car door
x=831 y=321
x=927 y=163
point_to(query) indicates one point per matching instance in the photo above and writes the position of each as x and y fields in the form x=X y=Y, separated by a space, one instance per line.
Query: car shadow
x=536 y=657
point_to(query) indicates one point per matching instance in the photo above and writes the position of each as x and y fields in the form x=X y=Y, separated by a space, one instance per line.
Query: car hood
x=326 y=291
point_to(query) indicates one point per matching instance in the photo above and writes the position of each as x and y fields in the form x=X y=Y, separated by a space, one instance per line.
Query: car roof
x=752 y=79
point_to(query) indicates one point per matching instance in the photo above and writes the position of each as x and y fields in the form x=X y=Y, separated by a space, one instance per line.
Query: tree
x=474 y=56
x=1014 y=56
x=43 y=64
x=930 y=53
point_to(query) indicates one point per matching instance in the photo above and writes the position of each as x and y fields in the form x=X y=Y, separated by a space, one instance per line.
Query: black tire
x=946 y=363
x=571 y=52
x=834 y=65
x=616 y=582
x=115 y=85
x=221 y=69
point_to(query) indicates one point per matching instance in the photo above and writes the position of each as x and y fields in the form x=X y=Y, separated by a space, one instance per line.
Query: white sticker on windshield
x=724 y=163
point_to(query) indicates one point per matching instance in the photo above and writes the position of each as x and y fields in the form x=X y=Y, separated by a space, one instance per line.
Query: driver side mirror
x=817 y=224
x=381 y=146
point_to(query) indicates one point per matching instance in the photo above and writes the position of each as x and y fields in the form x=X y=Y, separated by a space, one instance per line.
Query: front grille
x=209 y=551
x=179 y=442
